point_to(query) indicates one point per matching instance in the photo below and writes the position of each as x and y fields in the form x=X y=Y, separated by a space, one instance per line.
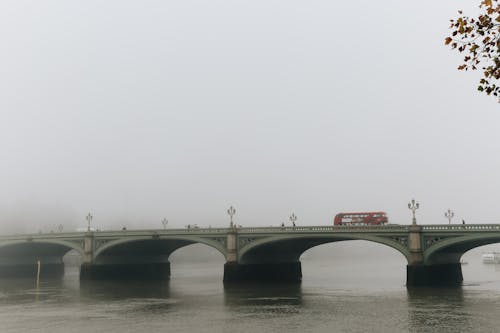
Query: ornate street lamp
x=413 y=206
x=89 y=219
x=231 y=211
x=293 y=218
x=449 y=215
x=164 y=222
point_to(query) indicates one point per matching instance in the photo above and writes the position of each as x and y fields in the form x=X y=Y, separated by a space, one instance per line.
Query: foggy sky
x=140 y=110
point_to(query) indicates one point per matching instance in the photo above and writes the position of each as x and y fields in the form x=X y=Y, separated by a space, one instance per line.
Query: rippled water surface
x=349 y=290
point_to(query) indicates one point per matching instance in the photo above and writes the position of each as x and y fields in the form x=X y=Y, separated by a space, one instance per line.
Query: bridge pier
x=420 y=274
x=434 y=275
x=121 y=271
x=290 y=272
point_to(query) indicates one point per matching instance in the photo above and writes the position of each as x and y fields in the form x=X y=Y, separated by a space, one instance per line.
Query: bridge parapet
x=461 y=227
x=340 y=228
x=41 y=236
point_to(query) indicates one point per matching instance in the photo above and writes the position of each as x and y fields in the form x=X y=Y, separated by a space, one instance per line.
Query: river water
x=351 y=287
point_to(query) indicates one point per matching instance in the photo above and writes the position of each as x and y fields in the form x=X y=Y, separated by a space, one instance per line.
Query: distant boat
x=491 y=258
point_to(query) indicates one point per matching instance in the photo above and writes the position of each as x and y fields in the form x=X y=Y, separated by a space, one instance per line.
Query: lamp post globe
x=231 y=211
x=89 y=219
x=449 y=215
x=413 y=206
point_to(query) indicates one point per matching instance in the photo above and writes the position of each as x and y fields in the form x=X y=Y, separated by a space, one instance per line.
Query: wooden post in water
x=38 y=273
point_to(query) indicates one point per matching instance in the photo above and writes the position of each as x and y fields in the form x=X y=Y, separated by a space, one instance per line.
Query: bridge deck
x=267 y=230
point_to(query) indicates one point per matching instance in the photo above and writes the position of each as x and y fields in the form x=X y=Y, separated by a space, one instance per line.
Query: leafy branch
x=479 y=40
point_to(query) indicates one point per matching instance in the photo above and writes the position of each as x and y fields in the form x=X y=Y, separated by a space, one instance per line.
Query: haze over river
x=347 y=287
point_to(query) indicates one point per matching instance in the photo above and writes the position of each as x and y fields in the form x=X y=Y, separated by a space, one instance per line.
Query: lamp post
x=293 y=218
x=89 y=219
x=449 y=215
x=413 y=206
x=164 y=222
x=231 y=211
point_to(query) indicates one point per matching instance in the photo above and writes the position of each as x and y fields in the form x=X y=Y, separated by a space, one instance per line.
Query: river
x=348 y=287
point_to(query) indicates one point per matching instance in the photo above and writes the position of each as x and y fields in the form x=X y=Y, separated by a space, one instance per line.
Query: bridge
x=432 y=252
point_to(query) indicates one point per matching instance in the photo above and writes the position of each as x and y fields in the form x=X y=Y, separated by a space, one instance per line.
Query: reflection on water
x=27 y=290
x=115 y=290
x=420 y=295
x=437 y=309
x=263 y=296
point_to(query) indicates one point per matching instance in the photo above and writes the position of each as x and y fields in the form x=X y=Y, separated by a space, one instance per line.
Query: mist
x=140 y=111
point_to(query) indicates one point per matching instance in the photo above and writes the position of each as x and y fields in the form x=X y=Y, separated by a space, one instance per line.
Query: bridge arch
x=139 y=256
x=23 y=258
x=63 y=246
x=289 y=248
x=166 y=245
x=450 y=250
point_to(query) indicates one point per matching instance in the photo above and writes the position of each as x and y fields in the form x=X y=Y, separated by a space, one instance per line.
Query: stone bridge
x=432 y=252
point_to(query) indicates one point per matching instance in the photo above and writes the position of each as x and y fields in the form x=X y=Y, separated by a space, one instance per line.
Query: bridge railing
x=277 y=229
x=461 y=227
x=328 y=228
x=117 y=232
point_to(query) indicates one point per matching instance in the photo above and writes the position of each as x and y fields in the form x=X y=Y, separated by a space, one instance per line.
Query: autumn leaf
x=479 y=54
x=487 y=3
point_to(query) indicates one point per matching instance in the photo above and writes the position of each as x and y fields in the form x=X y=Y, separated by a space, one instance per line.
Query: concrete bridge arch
x=450 y=250
x=22 y=257
x=141 y=254
x=167 y=244
x=291 y=247
x=68 y=245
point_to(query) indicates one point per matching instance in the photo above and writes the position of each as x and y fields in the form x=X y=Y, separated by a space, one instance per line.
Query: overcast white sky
x=139 y=110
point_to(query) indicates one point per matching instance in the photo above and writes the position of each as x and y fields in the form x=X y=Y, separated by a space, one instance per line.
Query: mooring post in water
x=38 y=265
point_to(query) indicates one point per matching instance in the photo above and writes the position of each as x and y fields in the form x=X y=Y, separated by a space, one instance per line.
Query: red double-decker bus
x=367 y=218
